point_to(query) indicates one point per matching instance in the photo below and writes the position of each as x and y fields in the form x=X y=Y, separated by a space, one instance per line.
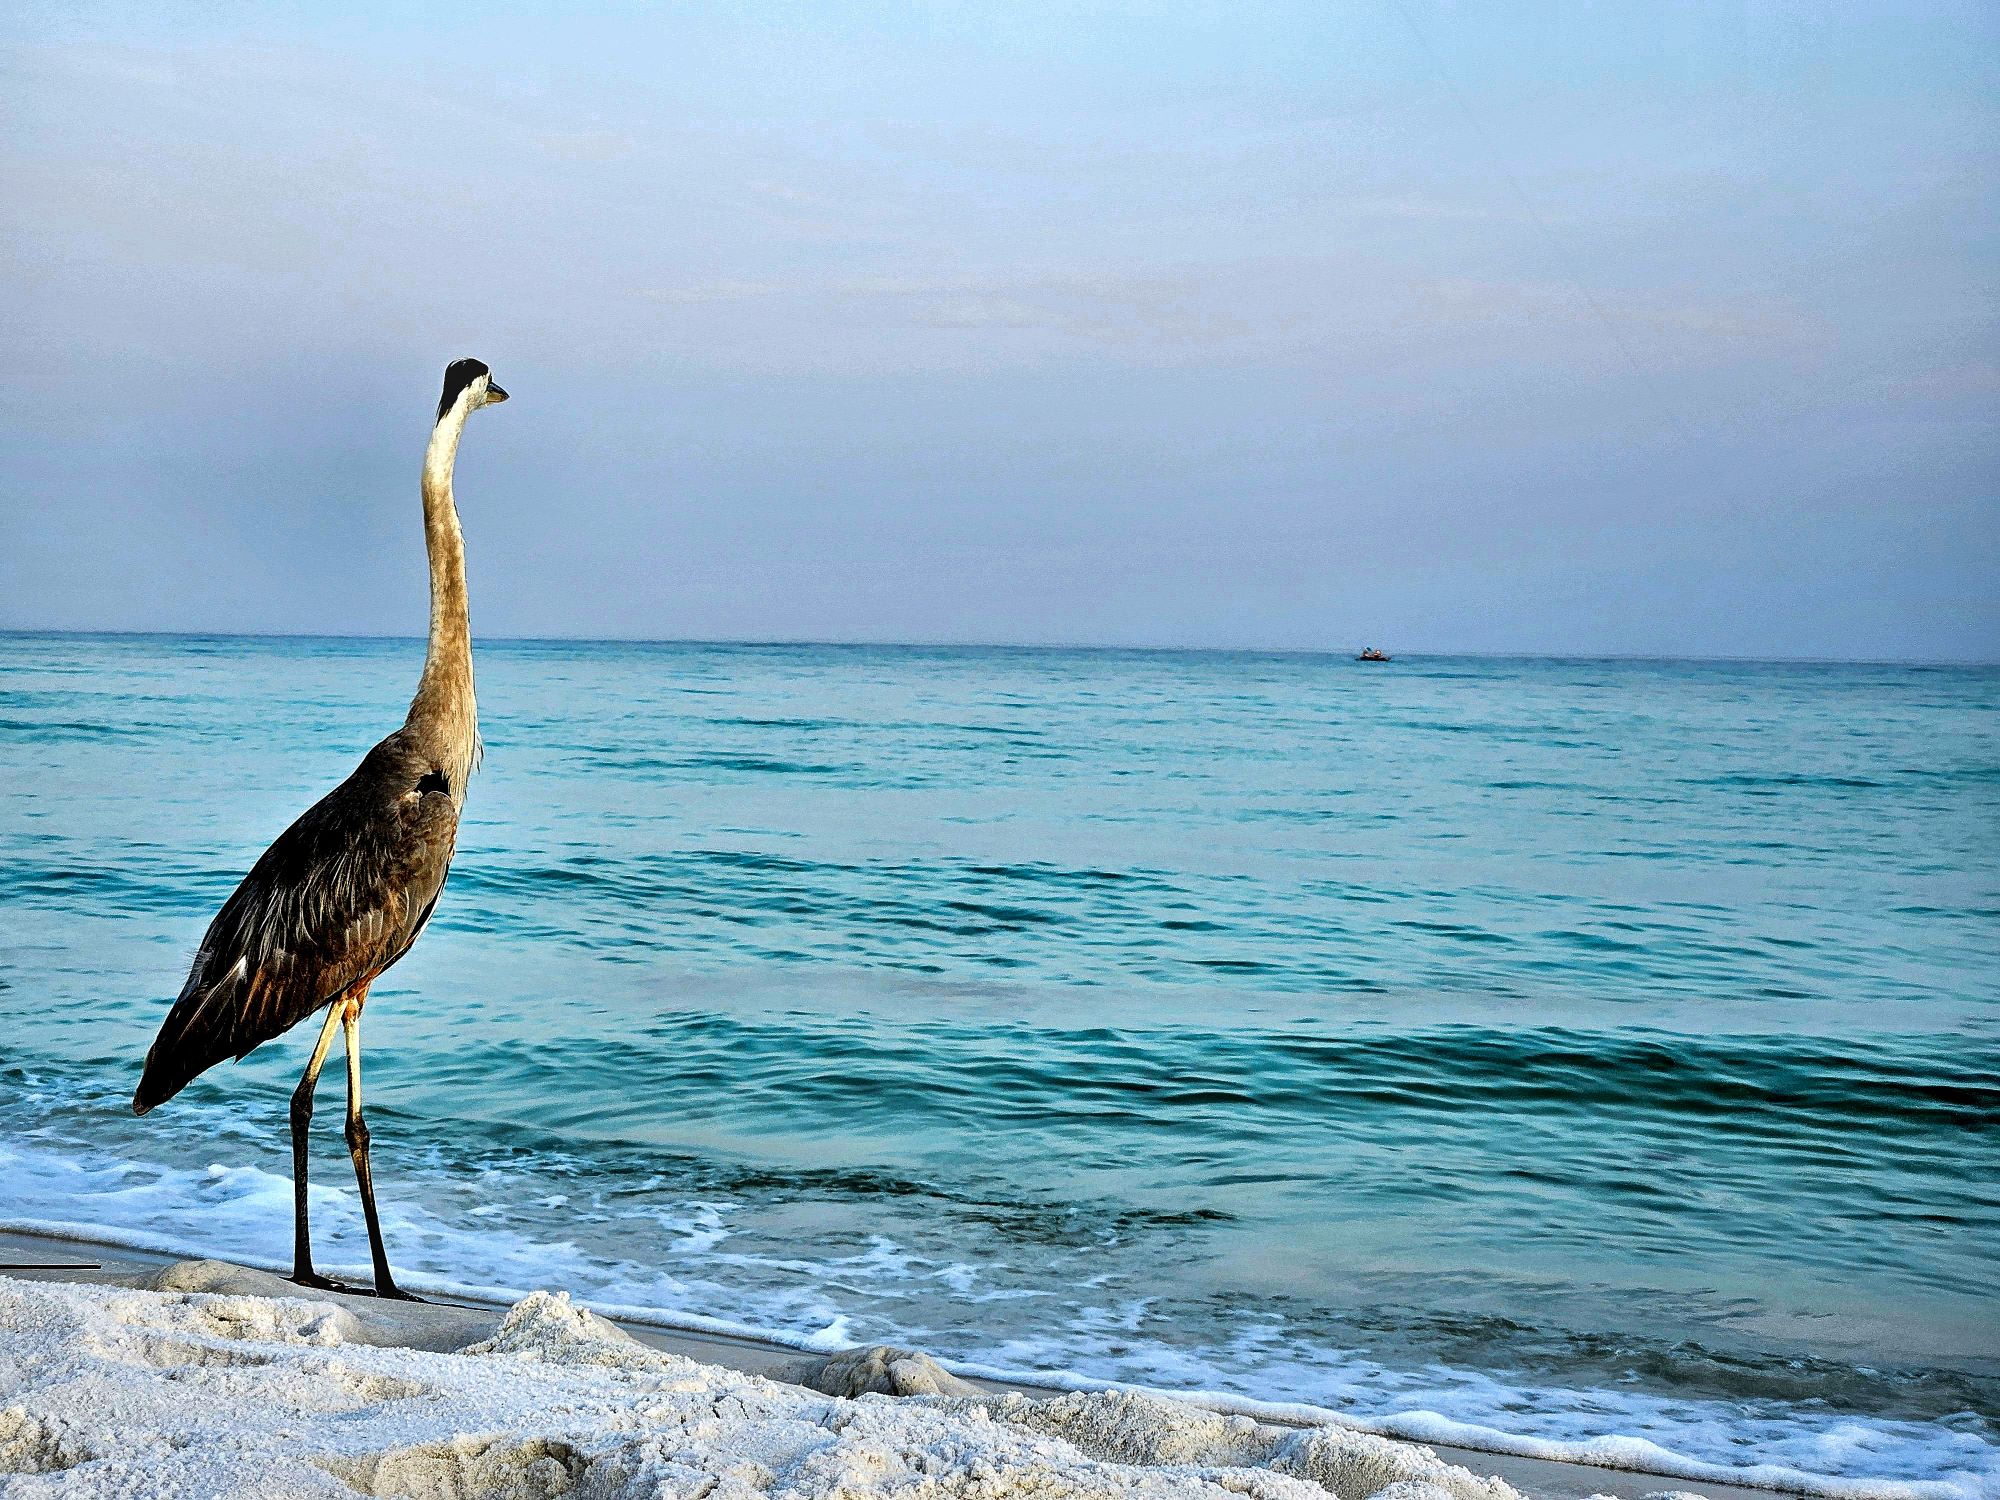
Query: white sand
x=113 y=1391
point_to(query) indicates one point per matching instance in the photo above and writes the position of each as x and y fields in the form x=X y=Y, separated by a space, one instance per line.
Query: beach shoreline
x=458 y=1321
x=1071 y=1017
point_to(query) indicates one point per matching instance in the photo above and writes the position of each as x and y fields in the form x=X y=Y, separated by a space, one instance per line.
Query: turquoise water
x=1567 y=1049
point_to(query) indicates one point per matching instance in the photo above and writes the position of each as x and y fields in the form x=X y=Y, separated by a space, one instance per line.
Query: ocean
x=1554 y=1056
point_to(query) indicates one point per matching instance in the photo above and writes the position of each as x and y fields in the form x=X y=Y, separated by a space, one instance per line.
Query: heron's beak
x=494 y=395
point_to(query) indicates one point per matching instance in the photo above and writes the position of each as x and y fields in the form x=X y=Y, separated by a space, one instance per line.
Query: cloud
x=1101 y=308
x=1427 y=209
x=697 y=294
x=1501 y=302
x=588 y=145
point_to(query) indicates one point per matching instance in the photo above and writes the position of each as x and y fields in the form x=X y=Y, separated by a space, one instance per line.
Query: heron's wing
x=338 y=898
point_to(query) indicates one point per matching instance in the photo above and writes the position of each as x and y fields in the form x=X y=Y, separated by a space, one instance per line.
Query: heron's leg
x=357 y=1147
x=302 y=1112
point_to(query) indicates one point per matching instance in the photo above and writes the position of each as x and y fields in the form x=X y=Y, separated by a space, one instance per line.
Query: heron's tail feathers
x=157 y=1084
x=195 y=1036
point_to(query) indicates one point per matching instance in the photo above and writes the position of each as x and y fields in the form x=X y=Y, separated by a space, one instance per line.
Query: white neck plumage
x=444 y=709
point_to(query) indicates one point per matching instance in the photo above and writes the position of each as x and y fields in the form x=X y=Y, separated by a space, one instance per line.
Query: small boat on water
x=1369 y=653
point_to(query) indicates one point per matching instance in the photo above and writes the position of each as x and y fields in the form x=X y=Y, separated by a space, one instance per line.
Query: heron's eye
x=434 y=781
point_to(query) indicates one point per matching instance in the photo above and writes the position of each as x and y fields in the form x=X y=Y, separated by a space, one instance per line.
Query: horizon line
x=965 y=645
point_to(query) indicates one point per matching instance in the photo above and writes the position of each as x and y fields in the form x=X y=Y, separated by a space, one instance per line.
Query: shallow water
x=1565 y=1048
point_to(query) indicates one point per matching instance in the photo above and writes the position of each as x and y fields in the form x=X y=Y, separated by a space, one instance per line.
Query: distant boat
x=1369 y=653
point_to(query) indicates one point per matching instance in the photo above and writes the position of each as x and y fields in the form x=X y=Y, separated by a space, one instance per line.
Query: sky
x=1560 y=328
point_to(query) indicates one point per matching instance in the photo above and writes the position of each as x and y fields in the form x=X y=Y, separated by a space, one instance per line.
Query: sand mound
x=410 y=1325
x=883 y=1371
x=119 y=1393
x=1127 y=1427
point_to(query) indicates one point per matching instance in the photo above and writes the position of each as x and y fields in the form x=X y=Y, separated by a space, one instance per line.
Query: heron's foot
x=319 y=1283
x=393 y=1293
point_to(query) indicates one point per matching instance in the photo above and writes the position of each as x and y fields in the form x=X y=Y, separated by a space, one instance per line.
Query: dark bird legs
x=345 y=1013
x=357 y=1148
x=302 y=1113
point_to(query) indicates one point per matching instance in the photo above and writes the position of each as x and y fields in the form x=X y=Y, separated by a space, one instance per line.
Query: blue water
x=1566 y=1048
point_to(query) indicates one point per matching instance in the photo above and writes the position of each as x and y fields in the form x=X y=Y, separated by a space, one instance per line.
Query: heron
x=345 y=890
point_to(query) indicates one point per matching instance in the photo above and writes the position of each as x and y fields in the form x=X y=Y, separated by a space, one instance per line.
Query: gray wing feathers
x=338 y=898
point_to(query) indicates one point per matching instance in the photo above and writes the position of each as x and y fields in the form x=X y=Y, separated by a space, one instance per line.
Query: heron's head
x=468 y=380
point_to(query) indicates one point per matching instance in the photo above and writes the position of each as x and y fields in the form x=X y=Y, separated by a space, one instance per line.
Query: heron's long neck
x=444 y=705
